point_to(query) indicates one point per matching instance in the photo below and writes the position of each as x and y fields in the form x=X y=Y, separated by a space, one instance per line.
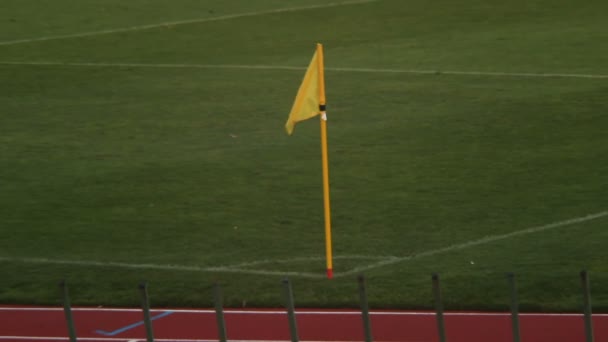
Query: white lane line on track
x=117 y=339
x=184 y=22
x=279 y=67
x=473 y=243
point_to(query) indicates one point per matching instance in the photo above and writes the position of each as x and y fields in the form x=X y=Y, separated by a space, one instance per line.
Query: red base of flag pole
x=330 y=273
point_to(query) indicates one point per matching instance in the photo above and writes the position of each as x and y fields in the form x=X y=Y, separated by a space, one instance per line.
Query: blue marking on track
x=131 y=326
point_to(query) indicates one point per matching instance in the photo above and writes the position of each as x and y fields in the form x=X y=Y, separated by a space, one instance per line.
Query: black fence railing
x=365 y=314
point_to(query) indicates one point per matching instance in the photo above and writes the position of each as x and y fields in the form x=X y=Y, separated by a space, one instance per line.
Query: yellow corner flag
x=310 y=101
x=306 y=104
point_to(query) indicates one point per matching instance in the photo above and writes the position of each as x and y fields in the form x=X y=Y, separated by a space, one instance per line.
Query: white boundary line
x=237 y=268
x=473 y=243
x=473 y=73
x=279 y=67
x=389 y=260
x=221 y=269
x=185 y=22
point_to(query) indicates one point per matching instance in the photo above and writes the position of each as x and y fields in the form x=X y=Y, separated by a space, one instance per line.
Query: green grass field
x=158 y=153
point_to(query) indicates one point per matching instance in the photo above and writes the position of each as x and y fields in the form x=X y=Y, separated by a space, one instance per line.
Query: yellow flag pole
x=323 y=116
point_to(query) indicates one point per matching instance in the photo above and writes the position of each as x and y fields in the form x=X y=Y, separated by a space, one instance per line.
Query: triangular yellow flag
x=306 y=104
x=310 y=101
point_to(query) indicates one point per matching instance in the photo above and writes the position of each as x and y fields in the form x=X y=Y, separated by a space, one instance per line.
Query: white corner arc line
x=237 y=268
x=295 y=68
x=473 y=243
x=304 y=259
x=185 y=22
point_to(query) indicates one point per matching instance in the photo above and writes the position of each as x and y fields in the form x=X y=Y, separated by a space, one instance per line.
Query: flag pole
x=323 y=116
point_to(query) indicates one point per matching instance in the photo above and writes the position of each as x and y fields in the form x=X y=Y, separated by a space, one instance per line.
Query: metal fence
x=367 y=326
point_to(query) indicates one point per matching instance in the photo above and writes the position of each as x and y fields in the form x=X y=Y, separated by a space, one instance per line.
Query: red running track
x=182 y=325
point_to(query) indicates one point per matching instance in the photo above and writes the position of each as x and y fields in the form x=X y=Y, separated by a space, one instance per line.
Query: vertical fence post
x=514 y=307
x=145 y=305
x=293 y=326
x=67 y=309
x=367 y=324
x=438 y=307
x=587 y=306
x=219 y=312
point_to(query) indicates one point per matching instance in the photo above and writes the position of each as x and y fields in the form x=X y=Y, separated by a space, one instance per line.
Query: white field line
x=310 y=312
x=279 y=67
x=156 y=65
x=390 y=260
x=185 y=22
x=473 y=243
x=219 y=269
x=236 y=268
x=473 y=73
x=304 y=259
